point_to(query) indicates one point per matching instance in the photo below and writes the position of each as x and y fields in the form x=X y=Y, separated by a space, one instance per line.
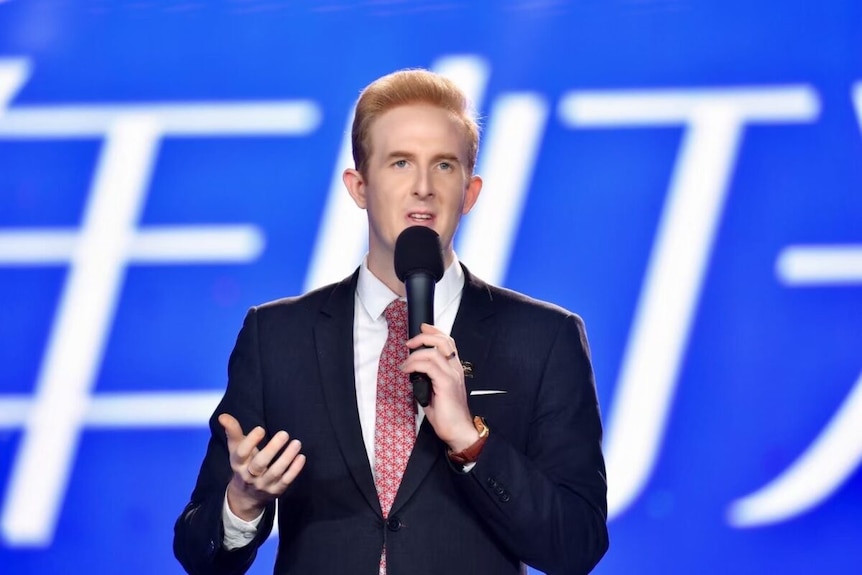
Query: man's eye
x=445 y=166
x=400 y=163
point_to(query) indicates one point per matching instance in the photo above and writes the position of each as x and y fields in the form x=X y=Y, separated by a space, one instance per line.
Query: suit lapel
x=471 y=332
x=474 y=326
x=333 y=335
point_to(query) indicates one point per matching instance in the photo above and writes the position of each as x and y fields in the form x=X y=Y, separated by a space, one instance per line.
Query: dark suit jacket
x=536 y=495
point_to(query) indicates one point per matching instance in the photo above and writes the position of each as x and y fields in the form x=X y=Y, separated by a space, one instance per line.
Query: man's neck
x=383 y=268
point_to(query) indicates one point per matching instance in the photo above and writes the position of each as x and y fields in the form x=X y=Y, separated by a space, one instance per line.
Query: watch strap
x=471 y=454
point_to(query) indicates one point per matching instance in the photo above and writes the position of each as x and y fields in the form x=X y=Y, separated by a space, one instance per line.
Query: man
x=505 y=465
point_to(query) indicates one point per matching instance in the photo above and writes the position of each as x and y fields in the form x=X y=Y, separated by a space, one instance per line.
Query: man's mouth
x=417 y=217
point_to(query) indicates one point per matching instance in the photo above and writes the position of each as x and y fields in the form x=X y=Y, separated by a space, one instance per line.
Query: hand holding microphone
x=419 y=264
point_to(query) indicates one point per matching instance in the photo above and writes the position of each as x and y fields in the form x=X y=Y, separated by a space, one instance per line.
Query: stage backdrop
x=686 y=175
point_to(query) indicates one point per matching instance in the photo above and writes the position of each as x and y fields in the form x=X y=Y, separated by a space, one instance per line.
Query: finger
x=248 y=446
x=428 y=328
x=295 y=467
x=261 y=460
x=232 y=429
x=252 y=472
x=280 y=465
x=438 y=340
x=435 y=367
x=444 y=352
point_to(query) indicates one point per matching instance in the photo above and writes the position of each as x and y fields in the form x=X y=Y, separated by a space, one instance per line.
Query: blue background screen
x=684 y=175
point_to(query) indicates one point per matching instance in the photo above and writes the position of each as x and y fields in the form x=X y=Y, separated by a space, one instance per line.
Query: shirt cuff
x=237 y=532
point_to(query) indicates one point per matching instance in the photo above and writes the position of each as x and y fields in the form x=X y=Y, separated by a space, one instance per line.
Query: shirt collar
x=374 y=295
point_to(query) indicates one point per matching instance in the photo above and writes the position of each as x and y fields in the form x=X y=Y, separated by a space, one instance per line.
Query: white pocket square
x=487 y=391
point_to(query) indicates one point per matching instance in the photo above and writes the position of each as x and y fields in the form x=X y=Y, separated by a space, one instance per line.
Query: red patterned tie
x=395 y=421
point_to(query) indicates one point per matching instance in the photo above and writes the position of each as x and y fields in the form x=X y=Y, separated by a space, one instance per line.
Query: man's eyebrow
x=399 y=154
x=452 y=158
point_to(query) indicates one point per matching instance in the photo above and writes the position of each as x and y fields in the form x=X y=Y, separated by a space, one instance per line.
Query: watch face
x=481 y=427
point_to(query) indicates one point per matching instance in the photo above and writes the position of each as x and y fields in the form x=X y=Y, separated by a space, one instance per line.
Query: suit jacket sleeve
x=545 y=498
x=199 y=531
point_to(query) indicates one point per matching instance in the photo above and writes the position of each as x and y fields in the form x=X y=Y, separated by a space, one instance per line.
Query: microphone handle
x=420 y=309
x=421 y=388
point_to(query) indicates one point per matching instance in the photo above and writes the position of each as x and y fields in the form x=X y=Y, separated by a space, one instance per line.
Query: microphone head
x=417 y=250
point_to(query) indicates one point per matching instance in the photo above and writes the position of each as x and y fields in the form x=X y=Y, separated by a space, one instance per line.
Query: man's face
x=416 y=175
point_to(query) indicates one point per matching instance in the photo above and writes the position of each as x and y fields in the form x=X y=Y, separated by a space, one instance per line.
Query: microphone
x=419 y=264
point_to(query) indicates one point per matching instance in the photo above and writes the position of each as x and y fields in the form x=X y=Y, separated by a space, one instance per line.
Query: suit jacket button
x=393 y=523
x=505 y=497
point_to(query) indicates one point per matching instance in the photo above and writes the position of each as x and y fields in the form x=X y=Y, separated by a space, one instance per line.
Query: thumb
x=231 y=426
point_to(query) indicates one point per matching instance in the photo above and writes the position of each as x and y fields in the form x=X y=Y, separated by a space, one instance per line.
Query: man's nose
x=423 y=187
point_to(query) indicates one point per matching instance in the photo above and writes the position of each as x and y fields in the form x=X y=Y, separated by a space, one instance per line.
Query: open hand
x=258 y=475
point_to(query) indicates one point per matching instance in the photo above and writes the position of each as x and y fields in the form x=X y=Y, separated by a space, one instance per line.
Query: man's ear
x=471 y=194
x=355 y=184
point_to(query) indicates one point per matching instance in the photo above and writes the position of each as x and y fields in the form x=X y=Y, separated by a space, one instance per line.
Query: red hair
x=406 y=87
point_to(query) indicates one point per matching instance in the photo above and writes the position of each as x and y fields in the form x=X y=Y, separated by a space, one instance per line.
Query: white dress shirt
x=369 y=335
